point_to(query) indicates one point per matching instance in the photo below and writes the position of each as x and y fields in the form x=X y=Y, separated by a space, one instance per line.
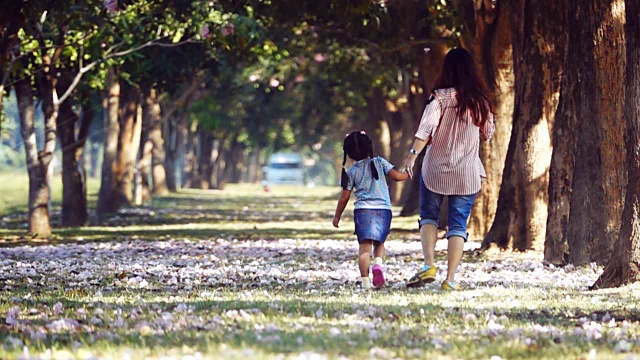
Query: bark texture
x=128 y=145
x=587 y=177
x=624 y=265
x=74 y=185
x=142 y=189
x=538 y=49
x=158 y=171
x=108 y=201
x=38 y=162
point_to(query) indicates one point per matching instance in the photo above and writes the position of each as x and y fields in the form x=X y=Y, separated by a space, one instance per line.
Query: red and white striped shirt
x=452 y=163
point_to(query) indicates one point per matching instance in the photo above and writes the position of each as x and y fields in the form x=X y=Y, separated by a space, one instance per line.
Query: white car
x=285 y=168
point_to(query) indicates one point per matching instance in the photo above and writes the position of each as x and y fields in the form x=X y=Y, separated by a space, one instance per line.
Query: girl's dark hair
x=358 y=146
x=459 y=71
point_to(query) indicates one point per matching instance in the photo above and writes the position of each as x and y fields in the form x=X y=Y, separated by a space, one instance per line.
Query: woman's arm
x=397 y=175
x=410 y=160
x=428 y=125
x=488 y=129
x=342 y=203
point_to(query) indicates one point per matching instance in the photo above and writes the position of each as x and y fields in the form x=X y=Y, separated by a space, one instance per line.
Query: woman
x=457 y=113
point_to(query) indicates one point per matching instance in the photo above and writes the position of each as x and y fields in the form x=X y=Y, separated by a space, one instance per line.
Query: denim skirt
x=372 y=224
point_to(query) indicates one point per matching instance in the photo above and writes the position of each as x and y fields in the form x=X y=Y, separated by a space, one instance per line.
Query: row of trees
x=575 y=70
x=219 y=82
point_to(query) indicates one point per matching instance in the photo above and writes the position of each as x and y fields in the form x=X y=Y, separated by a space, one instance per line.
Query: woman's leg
x=364 y=257
x=430 y=203
x=455 y=249
x=459 y=211
x=428 y=238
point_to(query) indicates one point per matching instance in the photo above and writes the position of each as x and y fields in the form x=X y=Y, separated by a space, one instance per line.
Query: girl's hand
x=336 y=221
x=409 y=163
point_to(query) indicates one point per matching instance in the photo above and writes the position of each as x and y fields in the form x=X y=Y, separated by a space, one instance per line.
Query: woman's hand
x=336 y=221
x=409 y=163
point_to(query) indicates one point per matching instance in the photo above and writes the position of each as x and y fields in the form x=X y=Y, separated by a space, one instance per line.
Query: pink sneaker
x=378 y=275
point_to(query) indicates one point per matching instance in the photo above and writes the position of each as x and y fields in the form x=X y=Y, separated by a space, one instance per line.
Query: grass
x=14 y=191
x=224 y=270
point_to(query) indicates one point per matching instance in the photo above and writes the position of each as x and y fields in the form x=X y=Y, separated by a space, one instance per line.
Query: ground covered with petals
x=242 y=273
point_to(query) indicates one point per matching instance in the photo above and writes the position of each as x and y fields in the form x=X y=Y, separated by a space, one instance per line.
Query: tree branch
x=90 y=66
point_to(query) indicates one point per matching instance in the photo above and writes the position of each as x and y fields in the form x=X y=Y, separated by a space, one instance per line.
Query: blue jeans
x=459 y=211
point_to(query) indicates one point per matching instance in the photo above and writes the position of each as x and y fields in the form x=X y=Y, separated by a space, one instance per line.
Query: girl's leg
x=378 y=250
x=364 y=257
x=377 y=269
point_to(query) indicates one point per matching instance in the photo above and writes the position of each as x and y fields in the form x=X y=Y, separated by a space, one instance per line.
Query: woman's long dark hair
x=358 y=146
x=459 y=71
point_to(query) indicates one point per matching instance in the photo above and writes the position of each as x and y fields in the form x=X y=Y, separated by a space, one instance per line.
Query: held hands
x=409 y=163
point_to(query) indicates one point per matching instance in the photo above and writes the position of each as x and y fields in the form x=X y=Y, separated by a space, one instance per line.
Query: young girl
x=372 y=214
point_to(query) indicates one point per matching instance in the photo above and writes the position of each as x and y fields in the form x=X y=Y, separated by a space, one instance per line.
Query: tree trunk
x=205 y=139
x=74 y=188
x=108 y=201
x=170 y=134
x=11 y=21
x=142 y=193
x=624 y=265
x=217 y=170
x=191 y=171
x=589 y=145
x=253 y=170
x=492 y=49
x=128 y=145
x=37 y=162
x=158 y=171
x=538 y=50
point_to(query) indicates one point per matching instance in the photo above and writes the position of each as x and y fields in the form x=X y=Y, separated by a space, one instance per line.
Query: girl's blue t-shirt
x=370 y=193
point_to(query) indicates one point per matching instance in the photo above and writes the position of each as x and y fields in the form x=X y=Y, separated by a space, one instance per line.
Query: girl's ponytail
x=374 y=170
x=344 y=179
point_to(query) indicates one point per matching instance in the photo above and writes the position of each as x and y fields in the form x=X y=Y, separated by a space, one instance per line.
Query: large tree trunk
x=492 y=48
x=538 y=50
x=588 y=144
x=37 y=162
x=128 y=145
x=108 y=201
x=624 y=265
x=74 y=189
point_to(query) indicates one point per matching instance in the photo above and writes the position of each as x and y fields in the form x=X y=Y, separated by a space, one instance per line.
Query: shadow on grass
x=406 y=325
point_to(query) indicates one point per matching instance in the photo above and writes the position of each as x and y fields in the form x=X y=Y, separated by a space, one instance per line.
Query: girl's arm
x=342 y=203
x=397 y=175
